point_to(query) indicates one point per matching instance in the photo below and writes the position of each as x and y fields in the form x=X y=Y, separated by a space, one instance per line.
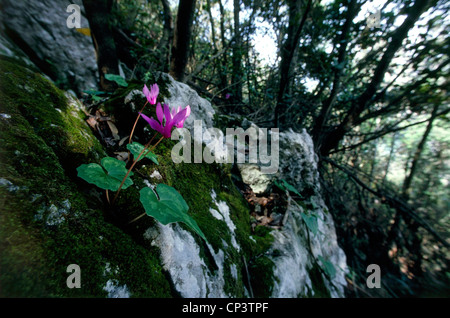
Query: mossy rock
x=261 y=270
x=195 y=182
x=39 y=147
x=50 y=218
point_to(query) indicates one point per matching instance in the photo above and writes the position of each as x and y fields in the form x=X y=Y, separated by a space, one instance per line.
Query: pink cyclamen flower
x=175 y=111
x=227 y=96
x=151 y=94
x=166 y=119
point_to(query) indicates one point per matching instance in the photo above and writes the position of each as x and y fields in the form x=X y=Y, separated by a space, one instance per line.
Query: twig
x=401 y=207
x=248 y=278
x=134 y=126
x=137 y=218
x=286 y=214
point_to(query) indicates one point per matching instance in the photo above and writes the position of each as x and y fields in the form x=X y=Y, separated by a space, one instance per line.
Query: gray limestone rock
x=39 y=29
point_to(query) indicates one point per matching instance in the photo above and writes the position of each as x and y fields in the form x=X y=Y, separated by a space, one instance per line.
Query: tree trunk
x=288 y=50
x=97 y=13
x=167 y=37
x=332 y=139
x=213 y=30
x=223 y=71
x=391 y=152
x=181 y=39
x=407 y=183
x=329 y=102
x=237 y=56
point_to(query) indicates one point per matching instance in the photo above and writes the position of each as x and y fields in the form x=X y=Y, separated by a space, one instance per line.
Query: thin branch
x=385 y=132
x=398 y=204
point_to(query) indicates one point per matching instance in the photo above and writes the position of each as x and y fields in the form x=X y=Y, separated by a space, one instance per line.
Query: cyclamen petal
x=155 y=90
x=145 y=117
x=153 y=123
x=151 y=94
x=167 y=114
x=179 y=117
x=146 y=92
x=181 y=123
x=159 y=113
x=175 y=110
x=167 y=130
x=167 y=119
x=156 y=126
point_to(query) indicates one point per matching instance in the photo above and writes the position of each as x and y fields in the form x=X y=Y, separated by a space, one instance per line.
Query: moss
x=261 y=276
x=21 y=253
x=34 y=254
x=96 y=244
x=53 y=117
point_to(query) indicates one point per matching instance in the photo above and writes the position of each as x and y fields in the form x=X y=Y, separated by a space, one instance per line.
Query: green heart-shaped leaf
x=291 y=188
x=327 y=267
x=284 y=185
x=170 y=207
x=116 y=78
x=135 y=148
x=109 y=180
x=311 y=222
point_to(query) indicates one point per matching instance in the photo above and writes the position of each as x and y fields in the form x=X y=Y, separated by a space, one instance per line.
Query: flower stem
x=154 y=146
x=107 y=196
x=153 y=137
x=132 y=166
x=137 y=118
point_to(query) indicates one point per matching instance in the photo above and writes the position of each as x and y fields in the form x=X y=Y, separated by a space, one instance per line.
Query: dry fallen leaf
x=122 y=155
x=92 y=122
x=114 y=130
x=123 y=140
x=265 y=220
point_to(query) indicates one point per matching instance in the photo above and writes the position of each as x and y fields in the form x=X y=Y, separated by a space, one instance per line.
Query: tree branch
x=398 y=204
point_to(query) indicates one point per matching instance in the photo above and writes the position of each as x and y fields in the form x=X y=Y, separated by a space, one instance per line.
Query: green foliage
x=96 y=95
x=136 y=148
x=108 y=177
x=318 y=285
x=169 y=208
x=327 y=267
x=262 y=279
x=310 y=220
x=116 y=78
x=285 y=186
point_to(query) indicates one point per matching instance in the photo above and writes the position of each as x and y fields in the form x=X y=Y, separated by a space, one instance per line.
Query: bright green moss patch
x=54 y=117
x=21 y=253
